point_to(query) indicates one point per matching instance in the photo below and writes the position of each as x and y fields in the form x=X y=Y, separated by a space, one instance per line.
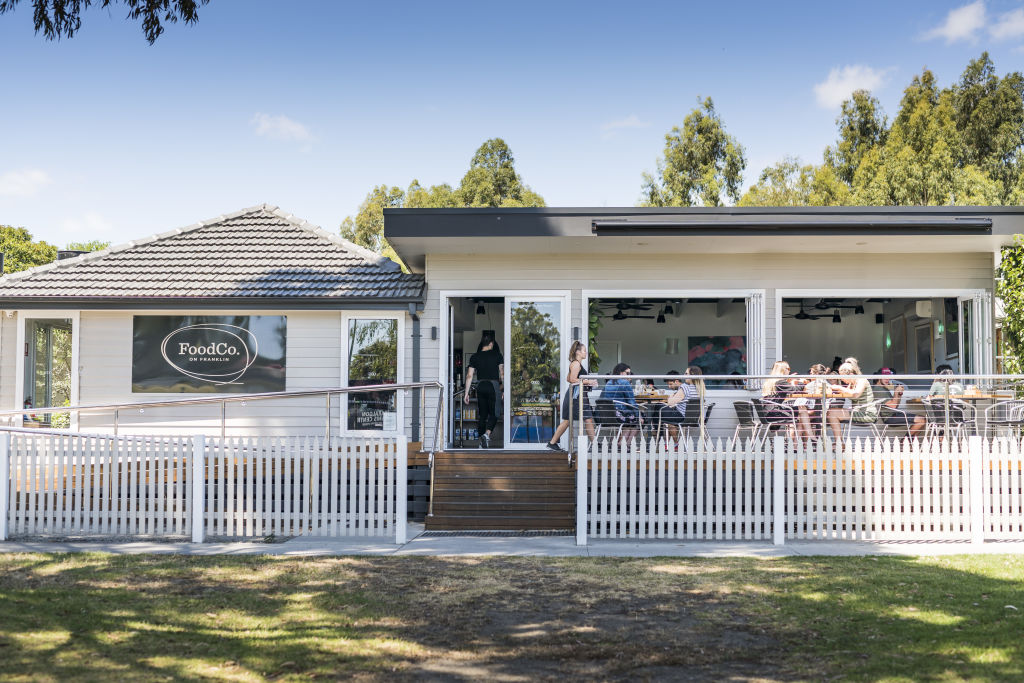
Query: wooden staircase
x=503 y=490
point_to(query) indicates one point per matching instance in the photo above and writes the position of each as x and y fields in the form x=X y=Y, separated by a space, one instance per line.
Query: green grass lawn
x=103 y=617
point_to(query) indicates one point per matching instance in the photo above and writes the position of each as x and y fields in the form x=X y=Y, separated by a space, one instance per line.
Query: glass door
x=976 y=334
x=535 y=369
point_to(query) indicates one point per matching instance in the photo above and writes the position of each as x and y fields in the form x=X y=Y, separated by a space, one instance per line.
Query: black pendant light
x=836 y=318
x=480 y=309
x=661 y=317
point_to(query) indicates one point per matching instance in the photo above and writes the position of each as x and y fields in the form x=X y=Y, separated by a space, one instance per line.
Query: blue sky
x=307 y=105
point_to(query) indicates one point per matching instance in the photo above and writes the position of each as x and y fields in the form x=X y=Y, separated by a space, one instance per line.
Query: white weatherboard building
x=260 y=302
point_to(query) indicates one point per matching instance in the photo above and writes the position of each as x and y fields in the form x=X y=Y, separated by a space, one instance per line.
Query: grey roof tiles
x=260 y=252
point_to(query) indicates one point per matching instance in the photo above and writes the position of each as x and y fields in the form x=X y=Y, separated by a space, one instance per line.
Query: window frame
x=400 y=398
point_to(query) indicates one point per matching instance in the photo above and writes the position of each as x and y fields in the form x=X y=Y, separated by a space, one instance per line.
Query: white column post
x=401 y=489
x=197 y=499
x=582 y=451
x=5 y=481
x=778 y=490
x=976 y=468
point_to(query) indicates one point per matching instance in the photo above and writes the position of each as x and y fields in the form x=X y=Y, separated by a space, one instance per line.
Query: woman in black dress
x=577 y=385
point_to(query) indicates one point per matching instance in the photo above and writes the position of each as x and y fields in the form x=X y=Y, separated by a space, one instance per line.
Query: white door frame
x=984 y=353
x=22 y=317
x=444 y=362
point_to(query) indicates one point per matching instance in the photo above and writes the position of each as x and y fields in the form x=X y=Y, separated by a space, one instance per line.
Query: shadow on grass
x=98 y=616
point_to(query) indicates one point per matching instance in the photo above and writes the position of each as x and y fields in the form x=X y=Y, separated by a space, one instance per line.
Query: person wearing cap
x=891 y=413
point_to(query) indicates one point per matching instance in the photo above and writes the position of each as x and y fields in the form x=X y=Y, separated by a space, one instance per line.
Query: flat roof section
x=934 y=229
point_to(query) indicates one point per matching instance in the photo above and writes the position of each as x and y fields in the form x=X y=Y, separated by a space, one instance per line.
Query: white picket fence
x=80 y=485
x=871 y=489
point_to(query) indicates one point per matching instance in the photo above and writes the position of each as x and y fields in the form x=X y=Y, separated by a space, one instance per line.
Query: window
x=372 y=359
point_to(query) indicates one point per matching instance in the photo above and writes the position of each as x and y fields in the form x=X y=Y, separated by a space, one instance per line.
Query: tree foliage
x=90 y=245
x=63 y=18
x=491 y=180
x=701 y=163
x=862 y=126
x=21 y=251
x=1010 y=288
x=788 y=183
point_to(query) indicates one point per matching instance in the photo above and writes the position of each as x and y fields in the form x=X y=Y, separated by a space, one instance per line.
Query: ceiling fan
x=802 y=314
x=620 y=315
x=832 y=304
x=627 y=305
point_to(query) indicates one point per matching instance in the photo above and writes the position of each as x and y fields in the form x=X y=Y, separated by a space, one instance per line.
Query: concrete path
x=533 y=546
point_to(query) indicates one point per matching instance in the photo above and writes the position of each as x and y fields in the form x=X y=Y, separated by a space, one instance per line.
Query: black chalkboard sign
x=208 y=354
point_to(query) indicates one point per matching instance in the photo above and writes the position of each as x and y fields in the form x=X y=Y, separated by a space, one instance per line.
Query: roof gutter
x=797 y=225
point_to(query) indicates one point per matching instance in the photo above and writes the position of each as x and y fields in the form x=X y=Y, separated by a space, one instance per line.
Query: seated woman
x=890 y=412
x=620 y=392
x=858 y=390
x=816 y=387
x=777 y=390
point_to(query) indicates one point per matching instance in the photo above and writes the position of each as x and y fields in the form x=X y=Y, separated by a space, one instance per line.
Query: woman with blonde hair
x=858 y=390
x=578 y=387
x=776 y=392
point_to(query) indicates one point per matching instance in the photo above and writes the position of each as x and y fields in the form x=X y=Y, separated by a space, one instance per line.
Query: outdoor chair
x=1005 y=415
x=746 y=419
x=873 y=426
x=604 y=417
x=961 y=417
x=774 y=415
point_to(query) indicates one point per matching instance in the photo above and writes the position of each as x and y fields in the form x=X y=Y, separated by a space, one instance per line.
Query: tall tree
x=920 y=162
x=63 y=18
x=491 y=180
x=862 y=126
x=989 y=114
x=788 y=183
x=21 y=251
x=701 y=163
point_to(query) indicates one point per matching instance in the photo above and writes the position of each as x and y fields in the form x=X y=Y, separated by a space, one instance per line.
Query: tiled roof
x=260 y=252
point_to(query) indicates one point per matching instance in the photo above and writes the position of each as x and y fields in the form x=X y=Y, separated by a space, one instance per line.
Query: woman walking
x=489 y=367
x=578 y=387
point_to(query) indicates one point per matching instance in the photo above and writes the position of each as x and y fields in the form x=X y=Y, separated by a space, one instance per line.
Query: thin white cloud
x=842 y=81
x=1008 y=25
x=280 y=128
x=90 y=225
x=962 y=23
x=632 y=121
x=23 y=183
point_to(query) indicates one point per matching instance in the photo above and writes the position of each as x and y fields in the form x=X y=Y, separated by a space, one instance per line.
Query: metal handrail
x=750 y=383
x=326 y=392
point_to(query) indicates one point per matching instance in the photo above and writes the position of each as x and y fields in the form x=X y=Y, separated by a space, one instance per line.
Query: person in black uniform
x=488 y=366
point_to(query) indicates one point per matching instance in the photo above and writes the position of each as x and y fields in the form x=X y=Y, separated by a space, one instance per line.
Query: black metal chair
x=961 y=417
x=746 y=419
x=774 y=415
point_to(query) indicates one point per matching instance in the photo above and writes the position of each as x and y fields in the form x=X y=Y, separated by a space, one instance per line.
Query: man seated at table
x=890 y=413
x=939 y=386
x=673 y=412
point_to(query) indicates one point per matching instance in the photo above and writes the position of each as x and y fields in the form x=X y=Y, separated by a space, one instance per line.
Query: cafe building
x=729 y=290
x=251 y=302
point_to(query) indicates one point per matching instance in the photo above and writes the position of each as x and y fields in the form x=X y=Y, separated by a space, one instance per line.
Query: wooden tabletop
x=651 y=398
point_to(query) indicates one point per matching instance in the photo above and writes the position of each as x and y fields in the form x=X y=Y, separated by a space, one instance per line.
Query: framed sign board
x=231 y=354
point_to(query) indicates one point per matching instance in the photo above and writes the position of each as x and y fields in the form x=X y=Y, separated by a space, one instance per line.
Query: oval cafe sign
x=221 y=356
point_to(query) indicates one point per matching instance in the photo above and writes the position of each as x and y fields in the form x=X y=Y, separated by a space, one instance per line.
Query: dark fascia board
x=806 y=225
x=246 y=303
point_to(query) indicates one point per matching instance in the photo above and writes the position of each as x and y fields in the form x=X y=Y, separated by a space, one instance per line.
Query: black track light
x=480 y=310
x=858 y=310
x=668 y=310
x=661 y=317
x=836 y=318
